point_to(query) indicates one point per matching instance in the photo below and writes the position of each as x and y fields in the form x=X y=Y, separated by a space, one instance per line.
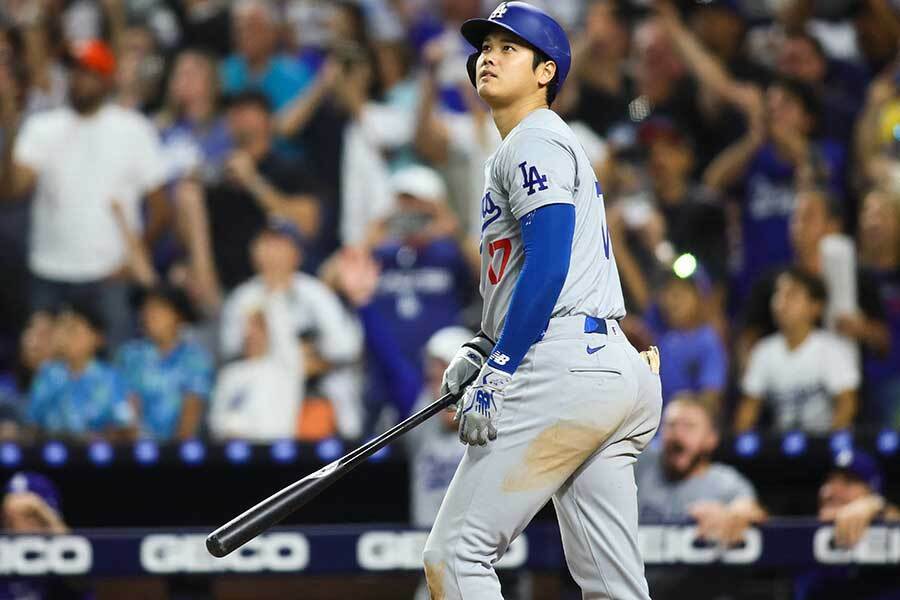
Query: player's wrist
x=493 y=377
x=481 y=344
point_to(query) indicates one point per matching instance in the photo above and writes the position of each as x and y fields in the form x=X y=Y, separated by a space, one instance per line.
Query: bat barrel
x=252 y=522
x=274 y=509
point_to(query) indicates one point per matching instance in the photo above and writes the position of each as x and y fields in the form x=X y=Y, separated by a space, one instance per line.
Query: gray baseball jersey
x=539 y=163
x=578 y=410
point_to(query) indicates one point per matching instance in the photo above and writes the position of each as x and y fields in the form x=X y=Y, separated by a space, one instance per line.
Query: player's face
x=505 y=72
x=839 y=490
x=688 y=439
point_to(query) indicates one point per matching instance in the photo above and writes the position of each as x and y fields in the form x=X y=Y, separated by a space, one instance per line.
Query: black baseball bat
x=246 y=526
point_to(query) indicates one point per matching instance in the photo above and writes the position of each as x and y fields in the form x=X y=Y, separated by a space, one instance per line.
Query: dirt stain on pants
x=434 y=575
x=554 y=455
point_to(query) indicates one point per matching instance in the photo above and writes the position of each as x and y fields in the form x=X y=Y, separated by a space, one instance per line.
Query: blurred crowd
x=250 y=219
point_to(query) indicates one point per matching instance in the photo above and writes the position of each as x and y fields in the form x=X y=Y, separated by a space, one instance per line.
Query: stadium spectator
x=604 y=86
x=323 y=333
x=32 y=505
x=207 y=24
x=805 y=374
x=156 y=17
x=341 y=115
x=680 y=482
x=256 y=63
x=456 y=143
x=851 y=498
x=259 y=396
x=802 y=57
x=879 y=255
x=778 y=156
x=79 y=395
x=877 y=142
x=36 y=346
x=80 y=160
x=139 y=68
x=31 y=32
x=257 y=185
x=852 y=309
x=433 y=448
x=680 y=215
x=169 y=375
x=670 y=84
x=195 y=137
x=14 y=216
x=425 y=270
x=692 y=356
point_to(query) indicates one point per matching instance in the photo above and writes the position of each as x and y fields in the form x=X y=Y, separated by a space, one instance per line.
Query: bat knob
x=215 y=546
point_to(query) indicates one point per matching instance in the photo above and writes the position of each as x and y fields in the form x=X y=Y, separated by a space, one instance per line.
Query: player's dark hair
x=553 y=86
x=813 y=284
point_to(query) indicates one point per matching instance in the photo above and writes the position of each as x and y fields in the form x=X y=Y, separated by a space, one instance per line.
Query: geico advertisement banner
x=358 y=549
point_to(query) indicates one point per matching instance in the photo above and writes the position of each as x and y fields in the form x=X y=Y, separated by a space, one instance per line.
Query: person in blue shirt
x=169 y=375
x=194 y=133
x=780 y=154
x=79 y=395
x=256 y=63
x=425 y=270
x=692 y=355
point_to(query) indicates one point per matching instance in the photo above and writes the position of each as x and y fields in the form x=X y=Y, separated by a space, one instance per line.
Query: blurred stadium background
x=238 y=238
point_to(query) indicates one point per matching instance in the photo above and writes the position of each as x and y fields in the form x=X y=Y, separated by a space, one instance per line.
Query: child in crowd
x=807 y=375
x=80 y=395
x=169 y=374
x=692 y=356
x=259 y=396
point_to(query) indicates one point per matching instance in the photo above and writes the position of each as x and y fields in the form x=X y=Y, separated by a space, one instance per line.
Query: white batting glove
x=480 y=406
x=465 y=365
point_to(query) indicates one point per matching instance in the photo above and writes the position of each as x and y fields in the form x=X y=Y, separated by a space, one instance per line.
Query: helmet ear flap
x=470 y=66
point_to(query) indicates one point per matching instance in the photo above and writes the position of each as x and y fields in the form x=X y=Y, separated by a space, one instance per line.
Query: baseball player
x=561 y=403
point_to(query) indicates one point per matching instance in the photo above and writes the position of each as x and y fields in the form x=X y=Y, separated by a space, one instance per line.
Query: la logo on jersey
x=498 y=12
x=490 y=212
x=531 y=178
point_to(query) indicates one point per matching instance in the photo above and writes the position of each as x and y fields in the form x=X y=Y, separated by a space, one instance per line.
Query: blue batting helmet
x=531 y=24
